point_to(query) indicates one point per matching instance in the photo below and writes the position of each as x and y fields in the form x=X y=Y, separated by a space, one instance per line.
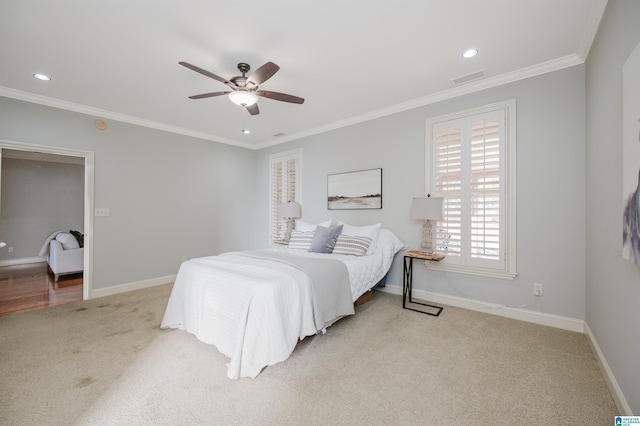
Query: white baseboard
x=609 y=378
x=23 y=261
x=557 y=321
x=123 y=288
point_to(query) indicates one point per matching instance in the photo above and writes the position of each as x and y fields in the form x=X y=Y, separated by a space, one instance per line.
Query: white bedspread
x=278 y=295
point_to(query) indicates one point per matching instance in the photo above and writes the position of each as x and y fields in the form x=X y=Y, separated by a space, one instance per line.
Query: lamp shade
x=289 y=210
x=427 y=208
x=243 y=98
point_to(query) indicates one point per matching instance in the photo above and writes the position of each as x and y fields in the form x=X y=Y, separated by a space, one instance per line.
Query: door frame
x=89 y=172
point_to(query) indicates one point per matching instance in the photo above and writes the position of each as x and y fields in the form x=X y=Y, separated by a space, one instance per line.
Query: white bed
x=254 y=306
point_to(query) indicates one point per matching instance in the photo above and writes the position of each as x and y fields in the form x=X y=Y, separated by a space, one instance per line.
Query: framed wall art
x=355 y=190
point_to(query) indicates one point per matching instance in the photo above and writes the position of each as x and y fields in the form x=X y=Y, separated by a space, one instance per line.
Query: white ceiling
x=352 y=60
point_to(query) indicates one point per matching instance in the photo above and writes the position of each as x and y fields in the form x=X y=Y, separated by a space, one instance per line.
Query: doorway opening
x=66 y=285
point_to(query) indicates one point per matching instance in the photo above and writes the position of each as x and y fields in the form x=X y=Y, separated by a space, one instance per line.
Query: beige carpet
x=106 y=362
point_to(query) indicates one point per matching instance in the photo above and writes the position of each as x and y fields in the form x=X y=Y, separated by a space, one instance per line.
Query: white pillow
x=369 y=231
x=303 y=226
x=68 y=241
x=388 y=241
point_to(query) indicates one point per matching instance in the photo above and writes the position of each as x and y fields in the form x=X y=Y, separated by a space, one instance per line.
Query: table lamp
x=428 y=209
x=289 y=211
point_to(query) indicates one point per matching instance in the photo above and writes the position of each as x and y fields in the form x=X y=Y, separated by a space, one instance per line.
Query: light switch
x=102 y=211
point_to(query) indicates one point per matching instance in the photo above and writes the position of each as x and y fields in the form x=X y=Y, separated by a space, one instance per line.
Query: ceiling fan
x=245 y=89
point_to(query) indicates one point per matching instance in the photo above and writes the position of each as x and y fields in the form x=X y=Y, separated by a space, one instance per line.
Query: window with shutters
x=471 y=163
x=284 y=187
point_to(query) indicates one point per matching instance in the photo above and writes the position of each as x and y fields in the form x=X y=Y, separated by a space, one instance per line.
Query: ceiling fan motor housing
x=239 y=81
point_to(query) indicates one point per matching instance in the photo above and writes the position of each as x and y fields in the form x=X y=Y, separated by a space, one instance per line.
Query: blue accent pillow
x=325 y=239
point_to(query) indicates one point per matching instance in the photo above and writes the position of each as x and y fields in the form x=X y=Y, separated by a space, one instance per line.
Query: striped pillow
x=354 y=246
x=300 y=240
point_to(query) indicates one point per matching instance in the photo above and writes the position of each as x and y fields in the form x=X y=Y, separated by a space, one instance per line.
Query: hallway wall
x=38 y=198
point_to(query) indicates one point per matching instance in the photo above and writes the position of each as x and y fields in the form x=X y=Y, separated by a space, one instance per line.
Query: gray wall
x=37 y=198
x=613 y=284
x=169 y=195
x=550 y=188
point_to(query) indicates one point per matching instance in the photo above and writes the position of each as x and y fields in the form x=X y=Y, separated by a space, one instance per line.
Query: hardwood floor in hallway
x=31 y=286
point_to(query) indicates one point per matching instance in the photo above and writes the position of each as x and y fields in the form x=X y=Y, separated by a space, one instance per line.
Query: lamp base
x=430 y=253
x=426 y=243
x=287 y=232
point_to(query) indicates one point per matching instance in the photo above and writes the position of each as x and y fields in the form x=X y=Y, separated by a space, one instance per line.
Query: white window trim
x=509 y=270
x=279 y=157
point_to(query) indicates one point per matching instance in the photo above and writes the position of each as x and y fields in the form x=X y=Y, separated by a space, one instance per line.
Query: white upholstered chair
x=61 y=260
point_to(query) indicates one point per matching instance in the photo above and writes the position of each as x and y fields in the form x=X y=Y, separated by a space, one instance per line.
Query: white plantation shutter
x=470 y=163
x=448 y=170
x=485 y=189
x=284 y=187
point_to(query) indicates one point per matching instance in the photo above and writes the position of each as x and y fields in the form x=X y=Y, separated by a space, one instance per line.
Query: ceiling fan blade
x=206 y=73
x=263 y=73
x=209 y=95
x=279 y=96
x=253 y=109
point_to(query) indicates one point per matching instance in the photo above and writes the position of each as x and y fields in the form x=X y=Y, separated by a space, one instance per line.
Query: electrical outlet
x=537 y=289
x=10 y=249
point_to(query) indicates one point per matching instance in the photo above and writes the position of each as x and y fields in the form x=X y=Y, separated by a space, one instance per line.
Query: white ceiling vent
x=469 y=77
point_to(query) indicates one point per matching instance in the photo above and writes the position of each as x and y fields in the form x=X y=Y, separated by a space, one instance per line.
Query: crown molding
x=596 y=12
x=97 y=112
x=463 y=89
x=471 y=87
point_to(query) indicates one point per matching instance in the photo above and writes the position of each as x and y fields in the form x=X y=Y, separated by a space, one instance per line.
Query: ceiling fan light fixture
x=243 y=98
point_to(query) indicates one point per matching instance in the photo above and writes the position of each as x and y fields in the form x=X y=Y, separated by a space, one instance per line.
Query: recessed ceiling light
x=246 y=131
x=470 y=53
x=41 y=76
